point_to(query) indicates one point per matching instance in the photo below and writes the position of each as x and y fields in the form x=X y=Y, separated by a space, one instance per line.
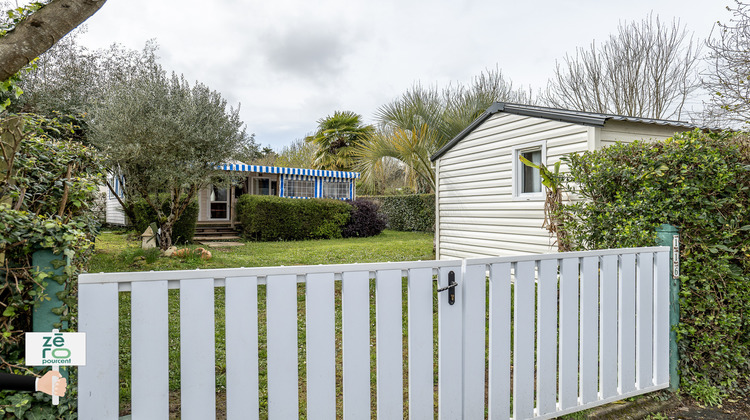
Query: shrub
x=414 y=212
x=365 y=220
x=183 y=229
x=267 y=218
x=701 y=184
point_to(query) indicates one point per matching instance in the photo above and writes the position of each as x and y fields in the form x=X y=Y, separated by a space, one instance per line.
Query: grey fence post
x=668 y=235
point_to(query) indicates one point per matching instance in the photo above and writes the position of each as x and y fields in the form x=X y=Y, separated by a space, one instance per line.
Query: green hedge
x=701 y=184
x=183 y=229
x=414 y=212
x=266 y=218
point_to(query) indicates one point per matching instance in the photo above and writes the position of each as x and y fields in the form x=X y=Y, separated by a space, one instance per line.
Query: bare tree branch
x=647 y=69
x=40 y=31
x=729 y=80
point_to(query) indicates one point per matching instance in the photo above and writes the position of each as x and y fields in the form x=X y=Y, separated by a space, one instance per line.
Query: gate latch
x=451 y=288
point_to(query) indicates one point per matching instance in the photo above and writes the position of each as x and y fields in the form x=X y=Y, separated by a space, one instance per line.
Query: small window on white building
x=298 y=188
x=264 y=186
x=336 y=189
x=527 y=182
x=116 y=183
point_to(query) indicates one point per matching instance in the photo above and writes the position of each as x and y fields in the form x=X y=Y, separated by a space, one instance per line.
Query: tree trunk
x=165 y=238
x=37 y=33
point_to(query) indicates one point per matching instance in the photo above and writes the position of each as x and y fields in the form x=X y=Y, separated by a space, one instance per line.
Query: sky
x=289 y=63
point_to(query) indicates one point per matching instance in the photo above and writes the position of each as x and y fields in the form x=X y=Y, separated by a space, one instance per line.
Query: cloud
x=306 y=53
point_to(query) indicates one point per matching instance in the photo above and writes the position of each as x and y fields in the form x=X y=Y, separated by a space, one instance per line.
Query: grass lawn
x=116 y=253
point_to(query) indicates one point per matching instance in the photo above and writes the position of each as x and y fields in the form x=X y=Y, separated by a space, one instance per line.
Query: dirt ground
x=730 y=409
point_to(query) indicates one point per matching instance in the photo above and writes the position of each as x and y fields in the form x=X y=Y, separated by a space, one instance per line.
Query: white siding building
x=488 y=203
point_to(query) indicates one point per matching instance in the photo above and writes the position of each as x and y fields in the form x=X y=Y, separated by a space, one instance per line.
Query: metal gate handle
x=451 y=288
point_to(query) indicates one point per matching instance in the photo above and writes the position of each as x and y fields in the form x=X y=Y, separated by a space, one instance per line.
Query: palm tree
x=336 y=138
x=412 y=148
x=423 y=120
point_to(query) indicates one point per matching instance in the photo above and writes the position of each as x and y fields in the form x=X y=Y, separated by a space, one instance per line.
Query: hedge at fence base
x=414 y=212
x=269 y=218
x=183 y=229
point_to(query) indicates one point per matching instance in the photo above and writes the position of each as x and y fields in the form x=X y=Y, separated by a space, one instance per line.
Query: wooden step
x=216 y=238
x=211 y=233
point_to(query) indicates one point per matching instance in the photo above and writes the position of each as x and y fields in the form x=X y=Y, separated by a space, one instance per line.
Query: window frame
x=337 y=187
x=255 y=188
x=517 y=175
x=287 y=189
x=211 y=202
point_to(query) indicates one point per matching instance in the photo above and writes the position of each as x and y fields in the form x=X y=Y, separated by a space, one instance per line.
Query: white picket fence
x=588 y=328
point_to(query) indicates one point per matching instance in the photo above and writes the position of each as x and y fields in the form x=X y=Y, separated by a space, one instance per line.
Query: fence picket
x=241 y=334
x=626 y=339
x=150 y=350
x=589 y=329
x=321 y=346
x=499 y=351
x=546 y=343
x=568 y=333
x=389 y=342
x=523 y=340
x=608 y=327
x=355 y=289
x=474 y=290
x=197 y=357
x=281 y=332
x=420 y=344
x=644 y=326
x=98 y=380
x=450 y=350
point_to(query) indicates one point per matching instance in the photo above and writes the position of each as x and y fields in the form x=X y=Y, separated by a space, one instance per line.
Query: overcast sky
x=290 y=62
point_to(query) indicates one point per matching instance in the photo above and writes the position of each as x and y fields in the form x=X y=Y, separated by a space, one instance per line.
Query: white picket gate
x=588 y=328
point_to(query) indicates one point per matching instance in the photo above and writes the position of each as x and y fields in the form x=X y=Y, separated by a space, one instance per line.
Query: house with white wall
x=488 y=203
x=216 y=201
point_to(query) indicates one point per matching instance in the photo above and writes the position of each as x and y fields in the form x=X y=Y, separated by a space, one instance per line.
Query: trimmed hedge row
x=183 y=229
x=266 y=218
x=414 y=212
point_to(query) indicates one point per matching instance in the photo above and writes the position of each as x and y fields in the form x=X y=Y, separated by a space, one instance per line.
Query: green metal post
x=668 y=235
x=43 y=320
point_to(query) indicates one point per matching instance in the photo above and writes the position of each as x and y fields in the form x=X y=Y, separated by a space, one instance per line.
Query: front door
x=219 y=203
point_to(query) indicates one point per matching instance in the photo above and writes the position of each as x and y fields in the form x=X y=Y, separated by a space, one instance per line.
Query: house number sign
x=675 y=256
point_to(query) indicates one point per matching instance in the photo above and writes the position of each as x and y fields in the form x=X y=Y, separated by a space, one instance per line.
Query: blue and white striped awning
x=237 y=167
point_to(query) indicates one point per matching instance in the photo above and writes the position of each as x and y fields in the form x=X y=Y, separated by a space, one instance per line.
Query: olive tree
x=165 y=138
x=648 y=69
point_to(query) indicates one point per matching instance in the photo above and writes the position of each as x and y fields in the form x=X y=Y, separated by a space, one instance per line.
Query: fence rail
x=587 y=328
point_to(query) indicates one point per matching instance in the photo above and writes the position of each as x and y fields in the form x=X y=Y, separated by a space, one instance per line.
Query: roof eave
x=493 y=109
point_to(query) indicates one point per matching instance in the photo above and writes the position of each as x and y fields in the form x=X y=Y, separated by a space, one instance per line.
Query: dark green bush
x=267 y=218
x=701 y=184
x=365 y=220
x=183 y=229
x=414 y=212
